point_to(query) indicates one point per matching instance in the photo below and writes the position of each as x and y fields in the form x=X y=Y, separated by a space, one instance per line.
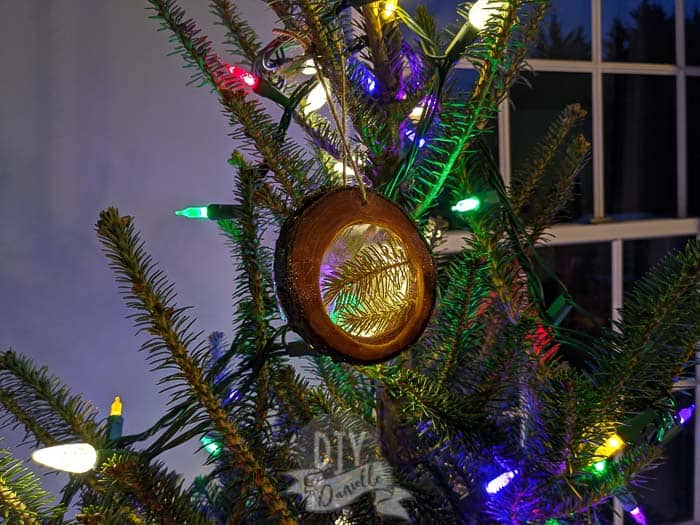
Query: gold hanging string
x=305 y=43
x=343 y=112
x=347 y=154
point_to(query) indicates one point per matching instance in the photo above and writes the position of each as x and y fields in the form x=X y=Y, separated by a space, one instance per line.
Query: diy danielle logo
x=345 y=466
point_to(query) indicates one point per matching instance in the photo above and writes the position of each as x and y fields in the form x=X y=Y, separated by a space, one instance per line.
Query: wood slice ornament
x=356 y=280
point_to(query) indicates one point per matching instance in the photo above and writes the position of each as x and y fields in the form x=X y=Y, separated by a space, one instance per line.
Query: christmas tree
x=436 y=389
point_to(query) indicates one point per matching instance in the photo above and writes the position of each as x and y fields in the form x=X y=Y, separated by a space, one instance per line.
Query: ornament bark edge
x=306 y=236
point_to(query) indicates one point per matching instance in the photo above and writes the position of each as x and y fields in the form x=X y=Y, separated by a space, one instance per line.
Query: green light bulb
x=600 y=466
x=211 y=445
x=195 y=212
x=468 y=204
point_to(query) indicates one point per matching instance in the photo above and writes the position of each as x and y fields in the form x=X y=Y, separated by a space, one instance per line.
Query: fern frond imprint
x=367 y=281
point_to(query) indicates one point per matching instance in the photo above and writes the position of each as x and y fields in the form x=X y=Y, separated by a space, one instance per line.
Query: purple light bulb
x=638 y=516
x=684 y=414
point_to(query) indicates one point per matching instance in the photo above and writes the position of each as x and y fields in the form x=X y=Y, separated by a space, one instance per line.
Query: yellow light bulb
x=614 y=442
x=389 y=8
x=611 y=446
x=75 y=457
x=116 y=409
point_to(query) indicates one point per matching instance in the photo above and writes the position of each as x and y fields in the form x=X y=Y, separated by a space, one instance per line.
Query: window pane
x=693 y=91
x=566 y=31
x=586 y=271
x=640 y=146
x=533 y=111
x=692 y=32
x=641 y=256
x=639 y=31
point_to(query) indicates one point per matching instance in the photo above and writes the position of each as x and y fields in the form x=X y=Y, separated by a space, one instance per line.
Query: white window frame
x=615 y=233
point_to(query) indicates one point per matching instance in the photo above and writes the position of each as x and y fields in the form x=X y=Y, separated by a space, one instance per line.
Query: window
x=639 y=143
x=635 y=66
x=639 y=31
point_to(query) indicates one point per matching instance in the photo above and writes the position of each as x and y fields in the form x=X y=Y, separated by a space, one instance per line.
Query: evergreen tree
x=554 y=44
x=477 y=416
x=631 y=42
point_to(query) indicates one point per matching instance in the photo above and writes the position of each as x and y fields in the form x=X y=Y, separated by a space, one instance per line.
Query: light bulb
x=684 y=414
x=195 y=212
x=315 y=100
x=211 y=444
x=600 y=466
x=369 y=82
x=611 y=446
x=244 y=76
x=497 y=484
x=338 y=168
x=483 y=10
x=389 y=8
x=76 y=458
x=115 y=421
x=614 y=442
x=309 y=67
x=116 y=409
x=416 y=113
x=638 y=516
x=468 y=204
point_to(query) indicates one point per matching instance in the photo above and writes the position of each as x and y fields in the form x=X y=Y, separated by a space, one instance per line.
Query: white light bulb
x=482 y=10
x=497 y=484
x=315 y=100
x=416 y=113
x=309 y=67
x=338 y=168
x=75 y=457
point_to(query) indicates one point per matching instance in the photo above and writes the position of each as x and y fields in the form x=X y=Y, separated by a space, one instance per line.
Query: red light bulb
x=244 y=76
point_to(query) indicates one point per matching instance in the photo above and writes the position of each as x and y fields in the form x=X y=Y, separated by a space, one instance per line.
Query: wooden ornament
x=356 y=280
